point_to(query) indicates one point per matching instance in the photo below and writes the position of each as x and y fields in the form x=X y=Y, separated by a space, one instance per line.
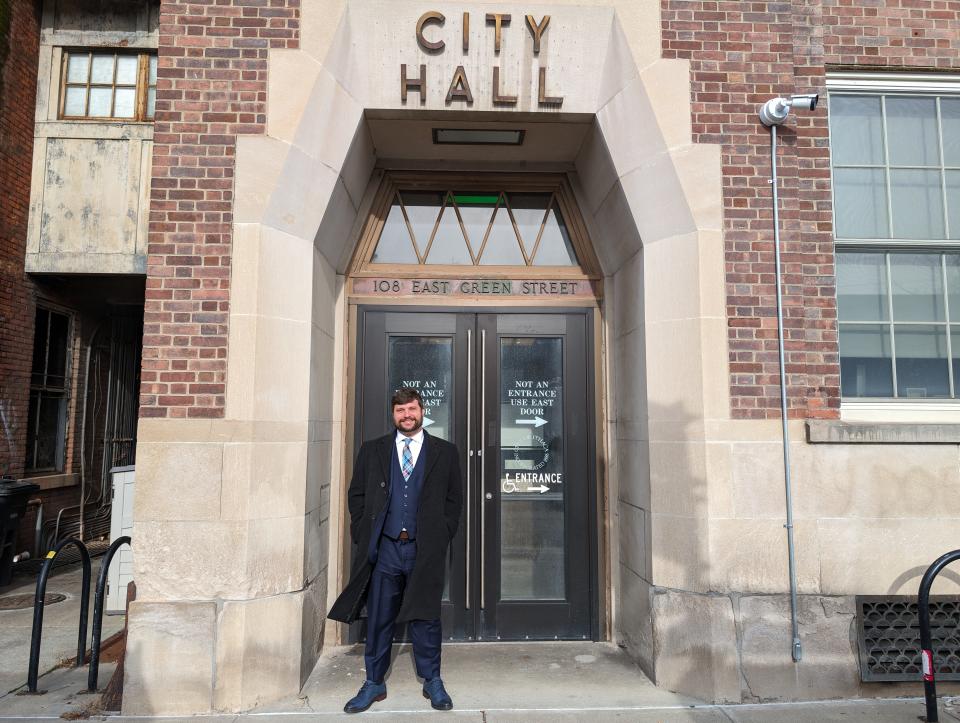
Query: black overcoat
x=438 y=516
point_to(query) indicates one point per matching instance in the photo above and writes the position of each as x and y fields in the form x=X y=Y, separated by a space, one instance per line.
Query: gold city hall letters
x=459 y=88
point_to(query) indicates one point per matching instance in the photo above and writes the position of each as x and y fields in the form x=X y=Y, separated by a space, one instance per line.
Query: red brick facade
x=212 y=87
x=742 y=54
x=19 y=53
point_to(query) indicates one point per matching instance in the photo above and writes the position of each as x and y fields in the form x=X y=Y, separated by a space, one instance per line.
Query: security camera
x=804 y=102
x=775 y=111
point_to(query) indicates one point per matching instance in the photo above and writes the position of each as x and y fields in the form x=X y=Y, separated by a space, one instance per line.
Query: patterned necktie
x=407 y=466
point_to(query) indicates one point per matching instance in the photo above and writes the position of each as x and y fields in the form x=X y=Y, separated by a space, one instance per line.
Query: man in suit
x=404 y=502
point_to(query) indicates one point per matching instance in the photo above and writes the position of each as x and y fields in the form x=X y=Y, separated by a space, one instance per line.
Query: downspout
x=797 y=650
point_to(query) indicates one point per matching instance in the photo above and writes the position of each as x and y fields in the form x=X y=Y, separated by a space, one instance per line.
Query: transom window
x=895 y=157
x=98 y=84
x=475 y=228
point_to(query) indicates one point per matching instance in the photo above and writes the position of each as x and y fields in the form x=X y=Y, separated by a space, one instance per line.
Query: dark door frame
x=593 y=521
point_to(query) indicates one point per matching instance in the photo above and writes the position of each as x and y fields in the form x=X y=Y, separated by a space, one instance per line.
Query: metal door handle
x=469 y=460
x=483 y=433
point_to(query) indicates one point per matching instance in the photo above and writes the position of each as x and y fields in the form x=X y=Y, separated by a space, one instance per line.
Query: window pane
x=77 y=67
x=43 y=436
x=917 y=201
x=955 y=347
x=856 y=130
x=57 y=351
x=861 y=287
x=100 y=102
x=449 y=246
x=953 y=285
x=953 y=202
x=528 y=211
x=950 y=126
x=124 y=102
x=102 y=71
x=531 y=469
x=151 y=102
x=127 y=69
x=422 y=210
x=153 y=70
x=912 y=131
x=425 y=363
x=865 y=361
x=922 y=361
x=555 y=248
x=394 y=246
x=917 y=287
x=40 y=332
x=860 y=199
x=476 y=210
x=75 y=102
x=502 y=244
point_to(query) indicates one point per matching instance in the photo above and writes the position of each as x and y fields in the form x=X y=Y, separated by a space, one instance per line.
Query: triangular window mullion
x=413 y=238
x=516 y=229
x=486 y=235
x=543 y=225
x=474 y=258
x=436 y=225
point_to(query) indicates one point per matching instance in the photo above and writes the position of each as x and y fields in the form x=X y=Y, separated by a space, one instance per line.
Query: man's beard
x=418 y=425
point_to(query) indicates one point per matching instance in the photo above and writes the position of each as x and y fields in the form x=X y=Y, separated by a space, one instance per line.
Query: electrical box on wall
x=121 y=523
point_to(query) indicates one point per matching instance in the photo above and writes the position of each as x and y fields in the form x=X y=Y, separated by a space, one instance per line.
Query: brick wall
x=19 y=52
x=743 y=53
x=212 y=87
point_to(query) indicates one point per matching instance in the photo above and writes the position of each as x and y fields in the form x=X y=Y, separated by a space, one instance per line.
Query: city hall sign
x=459 y=88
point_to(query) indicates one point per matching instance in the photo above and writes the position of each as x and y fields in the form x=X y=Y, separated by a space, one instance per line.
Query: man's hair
x=405 y=396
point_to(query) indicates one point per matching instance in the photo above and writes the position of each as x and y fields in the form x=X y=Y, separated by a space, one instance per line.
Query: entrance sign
x=459 y=88
x=427 y=287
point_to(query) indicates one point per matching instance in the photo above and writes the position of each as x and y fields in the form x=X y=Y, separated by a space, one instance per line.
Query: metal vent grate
x=889 y=637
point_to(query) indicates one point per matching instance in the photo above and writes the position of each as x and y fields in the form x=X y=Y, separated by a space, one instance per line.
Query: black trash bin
x=13 y=504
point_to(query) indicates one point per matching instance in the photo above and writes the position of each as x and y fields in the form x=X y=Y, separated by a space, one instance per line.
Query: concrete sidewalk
x=492 y=683
x=61 y=623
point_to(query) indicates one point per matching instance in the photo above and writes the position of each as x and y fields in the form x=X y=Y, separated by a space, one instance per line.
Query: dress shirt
x=416 y=442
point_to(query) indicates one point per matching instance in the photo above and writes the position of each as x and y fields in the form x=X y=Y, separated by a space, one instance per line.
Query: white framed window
x=895 y=165
x=108 y=85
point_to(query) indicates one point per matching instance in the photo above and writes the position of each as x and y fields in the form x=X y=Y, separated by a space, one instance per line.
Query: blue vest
x=404 y=495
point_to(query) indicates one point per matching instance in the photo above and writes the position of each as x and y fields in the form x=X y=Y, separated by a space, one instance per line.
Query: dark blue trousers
x=394 y=566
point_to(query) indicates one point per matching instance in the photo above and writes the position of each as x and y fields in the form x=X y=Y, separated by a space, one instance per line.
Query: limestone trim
x=841 y=432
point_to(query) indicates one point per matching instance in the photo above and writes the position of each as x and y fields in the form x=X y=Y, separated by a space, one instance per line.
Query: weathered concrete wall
x=90 y=186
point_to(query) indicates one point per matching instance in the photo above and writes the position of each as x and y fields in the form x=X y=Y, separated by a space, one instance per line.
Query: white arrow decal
x=541 y=489
x=427 y=421
x=536 y=422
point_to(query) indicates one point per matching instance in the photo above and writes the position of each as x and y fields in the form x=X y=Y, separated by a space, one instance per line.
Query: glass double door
x=513 y=392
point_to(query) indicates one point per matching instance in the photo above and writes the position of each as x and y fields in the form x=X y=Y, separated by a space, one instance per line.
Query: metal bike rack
x=38 y=609
x=98 y=613
x=926 y=643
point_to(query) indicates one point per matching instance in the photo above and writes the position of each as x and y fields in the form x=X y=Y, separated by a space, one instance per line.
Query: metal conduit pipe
x=772 y=114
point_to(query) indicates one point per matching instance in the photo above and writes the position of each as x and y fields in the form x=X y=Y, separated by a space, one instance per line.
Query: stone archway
x=241 y=591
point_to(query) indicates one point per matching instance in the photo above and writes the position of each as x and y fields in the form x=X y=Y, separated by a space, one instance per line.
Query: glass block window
x=899 y=317
x=109 y=85
x=47 y=415
x=896 y=166
x=494 y=228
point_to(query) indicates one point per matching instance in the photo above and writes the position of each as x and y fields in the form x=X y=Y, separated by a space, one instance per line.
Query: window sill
x=829 y=431
x=54 y=481
x=929 y=411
